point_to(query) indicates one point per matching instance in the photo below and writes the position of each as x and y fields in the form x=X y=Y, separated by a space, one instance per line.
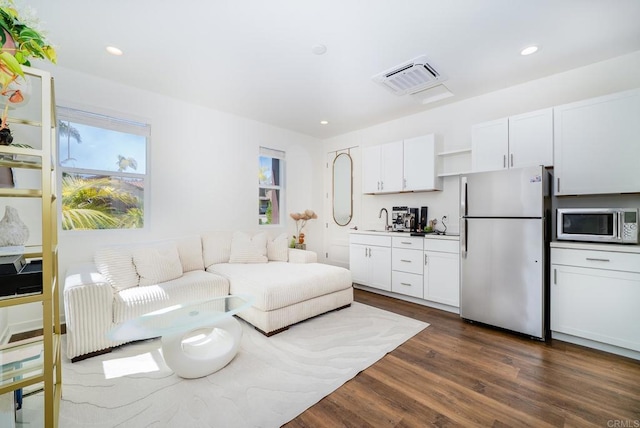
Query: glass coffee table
x=198 y=338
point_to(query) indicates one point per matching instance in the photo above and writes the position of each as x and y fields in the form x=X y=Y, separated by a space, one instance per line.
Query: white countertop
x=448 y=237
x=618 y=248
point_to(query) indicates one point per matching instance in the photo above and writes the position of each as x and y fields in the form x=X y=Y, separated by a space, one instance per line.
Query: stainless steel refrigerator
x=504 y=249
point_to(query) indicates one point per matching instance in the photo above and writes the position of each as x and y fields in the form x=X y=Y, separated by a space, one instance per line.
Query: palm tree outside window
x=103 y=164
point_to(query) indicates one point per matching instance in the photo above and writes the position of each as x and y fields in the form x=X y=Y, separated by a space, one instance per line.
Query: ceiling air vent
x=410 y=77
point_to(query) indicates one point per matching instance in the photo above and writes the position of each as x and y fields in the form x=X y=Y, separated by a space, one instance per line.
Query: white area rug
x=269 y=382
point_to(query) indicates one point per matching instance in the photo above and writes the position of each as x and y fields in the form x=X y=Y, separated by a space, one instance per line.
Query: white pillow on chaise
x=247 y=249
x=278 y=249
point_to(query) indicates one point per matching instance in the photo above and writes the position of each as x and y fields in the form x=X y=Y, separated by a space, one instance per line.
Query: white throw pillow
x=116 y=265
x=157 y=263
x=216 y=247
x=245 y=249
x=278 y=249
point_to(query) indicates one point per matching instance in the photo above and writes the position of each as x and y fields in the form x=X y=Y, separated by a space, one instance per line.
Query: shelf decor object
x=36 y=161
x=12 y=230
x=21 y=40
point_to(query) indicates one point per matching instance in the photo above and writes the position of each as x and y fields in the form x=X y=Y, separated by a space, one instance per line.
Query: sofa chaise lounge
x=126 y=281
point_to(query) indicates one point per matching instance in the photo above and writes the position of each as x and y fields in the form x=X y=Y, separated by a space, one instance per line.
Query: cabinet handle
x=378 y=185
x=382 y=185
x=555 y=276
x=512 y=160
x=369 y=252
x=406 y=243
x=425 y=259
x=404 y=283
x=406 y=261
x=558 y=184
x=597 y=260
x=504 y=161
x=365 y=252
x=404 y=184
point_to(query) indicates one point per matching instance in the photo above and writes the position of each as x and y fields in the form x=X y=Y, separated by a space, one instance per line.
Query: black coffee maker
x=414 y=220
x=424 y=219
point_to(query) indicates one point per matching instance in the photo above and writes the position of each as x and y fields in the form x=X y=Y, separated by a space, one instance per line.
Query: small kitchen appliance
x=414 y=219
x=400 y=219
x=610 y=225
x=424 y=220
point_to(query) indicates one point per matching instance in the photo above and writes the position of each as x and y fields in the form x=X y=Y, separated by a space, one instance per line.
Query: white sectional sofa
x=127 y=281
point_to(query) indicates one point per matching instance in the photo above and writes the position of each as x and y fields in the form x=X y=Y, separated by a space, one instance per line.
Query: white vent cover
x=410 y=77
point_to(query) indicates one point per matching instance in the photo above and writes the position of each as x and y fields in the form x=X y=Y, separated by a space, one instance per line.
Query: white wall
x=203 y=162
x=203 y=168
x=453 y=123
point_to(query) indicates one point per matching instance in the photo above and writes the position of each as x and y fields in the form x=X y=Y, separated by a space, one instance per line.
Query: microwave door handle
x=618 y=232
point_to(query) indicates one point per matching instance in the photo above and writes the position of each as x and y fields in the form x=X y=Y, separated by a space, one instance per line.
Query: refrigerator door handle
x=463 y=195
x=463 y=239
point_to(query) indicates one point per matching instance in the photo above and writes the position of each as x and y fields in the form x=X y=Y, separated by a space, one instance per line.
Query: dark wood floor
x=458 y=374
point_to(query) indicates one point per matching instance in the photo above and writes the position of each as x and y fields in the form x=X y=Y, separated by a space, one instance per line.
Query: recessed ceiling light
x=114 y=50
x=529 y=50
x=324 y=122
x=319 y=49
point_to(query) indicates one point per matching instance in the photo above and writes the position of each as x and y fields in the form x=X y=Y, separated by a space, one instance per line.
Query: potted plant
x=21 y=40
x=6 y=139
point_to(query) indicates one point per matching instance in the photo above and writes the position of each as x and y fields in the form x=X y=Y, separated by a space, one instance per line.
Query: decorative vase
x=6 y=178
x=13 y=231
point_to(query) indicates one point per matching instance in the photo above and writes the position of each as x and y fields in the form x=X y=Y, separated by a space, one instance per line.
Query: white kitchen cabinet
x=370 y=260
x=420 y=168
x=596 y=145
x=595 y=295
x=442 y=272
x=402 y=166
x=490 y=145
x=382 y=168
x=513 y=142
x=406 y=265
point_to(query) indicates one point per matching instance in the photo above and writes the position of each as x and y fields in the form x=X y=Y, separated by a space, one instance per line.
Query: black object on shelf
x=11 y=265
x=27 y=280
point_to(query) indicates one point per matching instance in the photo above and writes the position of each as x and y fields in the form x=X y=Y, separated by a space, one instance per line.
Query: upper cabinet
x=513 y=142
x=420 y=165
x=382 y=168
x=401 y=166
x=597 y=145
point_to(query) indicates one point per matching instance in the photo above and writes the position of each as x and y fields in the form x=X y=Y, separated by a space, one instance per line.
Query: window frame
x=114 y=121
x=281 y=156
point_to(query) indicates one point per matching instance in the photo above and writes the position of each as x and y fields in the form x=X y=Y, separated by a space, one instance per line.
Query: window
x=103 y=165
x=270 y=189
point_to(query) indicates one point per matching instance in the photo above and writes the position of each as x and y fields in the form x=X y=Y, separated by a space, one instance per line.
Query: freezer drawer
x=502 y=274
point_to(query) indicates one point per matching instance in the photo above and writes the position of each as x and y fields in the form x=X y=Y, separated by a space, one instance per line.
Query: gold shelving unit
x=38 y=361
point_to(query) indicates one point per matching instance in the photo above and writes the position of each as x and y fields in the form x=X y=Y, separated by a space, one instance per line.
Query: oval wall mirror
x=342 y=189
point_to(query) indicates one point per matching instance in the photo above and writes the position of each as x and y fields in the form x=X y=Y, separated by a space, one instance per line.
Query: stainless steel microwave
x=613 y=225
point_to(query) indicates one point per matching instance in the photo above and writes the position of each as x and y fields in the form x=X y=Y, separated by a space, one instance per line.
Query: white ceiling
x=253 y=57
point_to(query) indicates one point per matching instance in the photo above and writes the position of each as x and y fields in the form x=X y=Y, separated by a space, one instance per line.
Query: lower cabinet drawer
x=610 y=260
x=409 y=284
x=411 y=261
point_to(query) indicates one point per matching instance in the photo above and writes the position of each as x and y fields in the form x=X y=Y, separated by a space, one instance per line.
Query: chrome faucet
x=386 y=218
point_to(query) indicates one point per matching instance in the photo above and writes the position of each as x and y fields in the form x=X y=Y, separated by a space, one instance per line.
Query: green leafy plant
x=98 y=203
x=21 y=40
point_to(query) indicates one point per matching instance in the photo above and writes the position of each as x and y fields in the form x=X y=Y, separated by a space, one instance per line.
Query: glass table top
x=181 y=318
